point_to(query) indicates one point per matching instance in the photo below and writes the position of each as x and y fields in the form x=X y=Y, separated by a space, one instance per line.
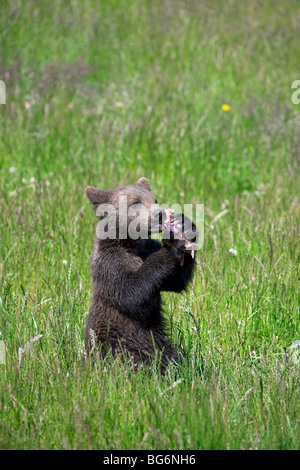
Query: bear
x=130 y=273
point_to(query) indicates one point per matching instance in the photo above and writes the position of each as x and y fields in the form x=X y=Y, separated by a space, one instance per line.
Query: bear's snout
x=158 y=216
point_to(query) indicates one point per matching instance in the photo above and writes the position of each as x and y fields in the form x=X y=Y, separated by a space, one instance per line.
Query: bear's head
x=127 y=212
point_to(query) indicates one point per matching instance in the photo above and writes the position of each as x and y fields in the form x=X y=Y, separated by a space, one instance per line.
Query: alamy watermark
x=296 y=94
x=2 y=92
x=138 y=221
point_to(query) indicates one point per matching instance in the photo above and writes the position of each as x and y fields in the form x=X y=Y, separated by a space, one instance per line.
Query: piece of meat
x=175 y=226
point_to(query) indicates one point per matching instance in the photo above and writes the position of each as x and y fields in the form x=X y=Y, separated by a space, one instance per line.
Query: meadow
x=102 y=93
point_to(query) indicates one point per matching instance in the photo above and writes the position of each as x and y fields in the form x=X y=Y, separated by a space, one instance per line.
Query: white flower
x=295 y=352
x=65 y=261
x=24 y=180
x=13 y=170
x=29 y=102
x=233 y=252
x=32 y=180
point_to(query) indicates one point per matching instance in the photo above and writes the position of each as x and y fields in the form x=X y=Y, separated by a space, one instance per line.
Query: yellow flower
x=226 y=107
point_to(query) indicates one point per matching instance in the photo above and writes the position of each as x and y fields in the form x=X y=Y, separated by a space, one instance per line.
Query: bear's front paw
x=182 y=229
x=186 y=227
x=177 y=247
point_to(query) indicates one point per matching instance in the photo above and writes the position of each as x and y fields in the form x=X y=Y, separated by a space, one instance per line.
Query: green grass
x=102 y=93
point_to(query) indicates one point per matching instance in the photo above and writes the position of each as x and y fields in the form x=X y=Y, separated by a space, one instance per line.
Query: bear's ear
x=97 y=196
x=144 y=183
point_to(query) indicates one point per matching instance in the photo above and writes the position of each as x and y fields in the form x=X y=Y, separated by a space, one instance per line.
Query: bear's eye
x=136 y=205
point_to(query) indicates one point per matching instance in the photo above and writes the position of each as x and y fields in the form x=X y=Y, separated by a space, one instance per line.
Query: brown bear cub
x=129 y=274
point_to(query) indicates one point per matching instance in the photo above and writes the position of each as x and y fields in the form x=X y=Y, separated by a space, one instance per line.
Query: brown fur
x=128 y=278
